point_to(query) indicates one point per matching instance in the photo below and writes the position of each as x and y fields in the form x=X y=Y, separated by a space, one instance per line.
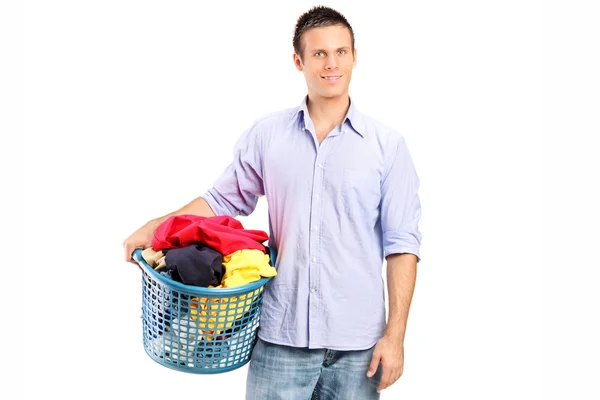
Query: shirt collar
x=353 y=117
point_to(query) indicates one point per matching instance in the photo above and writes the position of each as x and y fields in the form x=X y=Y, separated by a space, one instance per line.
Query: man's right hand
x=140 y=239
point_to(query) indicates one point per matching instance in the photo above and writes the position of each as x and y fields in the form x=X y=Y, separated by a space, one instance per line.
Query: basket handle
x=137 y=256
x=272 y=255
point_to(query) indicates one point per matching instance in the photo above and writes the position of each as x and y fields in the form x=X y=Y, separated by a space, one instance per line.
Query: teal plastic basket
x=196 y=329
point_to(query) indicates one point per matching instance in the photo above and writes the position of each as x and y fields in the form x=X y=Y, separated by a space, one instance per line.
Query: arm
x=236 y=192
x=400 y=214
x=401 y=276
x=239 y=187
x=198 y=206
x=142 y=238
x=389 y=351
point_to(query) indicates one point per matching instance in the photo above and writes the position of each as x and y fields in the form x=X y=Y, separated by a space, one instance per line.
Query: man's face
x=328 y=60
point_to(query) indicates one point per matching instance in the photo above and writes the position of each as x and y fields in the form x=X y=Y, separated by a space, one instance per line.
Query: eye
x=341 y=52
x=319 y=53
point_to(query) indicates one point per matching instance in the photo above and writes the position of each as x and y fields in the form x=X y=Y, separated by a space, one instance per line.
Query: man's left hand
x=390 y=353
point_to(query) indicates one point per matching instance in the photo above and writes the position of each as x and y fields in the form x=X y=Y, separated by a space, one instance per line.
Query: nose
x=331 y=62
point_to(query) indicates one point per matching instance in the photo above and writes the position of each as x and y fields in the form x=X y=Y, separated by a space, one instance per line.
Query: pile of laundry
x=214 y=252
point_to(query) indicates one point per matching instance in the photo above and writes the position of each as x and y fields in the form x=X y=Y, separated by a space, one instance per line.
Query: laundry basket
x=196 y=329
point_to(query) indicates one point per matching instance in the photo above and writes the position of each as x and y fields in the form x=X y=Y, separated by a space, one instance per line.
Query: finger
x=374 y=364
x=132 y=261
x=129 y=248
x=386 y=373
x=395 y=376
x=128 y=255
x=128 y=251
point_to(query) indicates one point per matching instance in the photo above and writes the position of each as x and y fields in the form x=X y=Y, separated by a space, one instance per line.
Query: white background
x=131 y=109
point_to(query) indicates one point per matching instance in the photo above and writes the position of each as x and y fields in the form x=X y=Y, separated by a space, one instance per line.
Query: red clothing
x=223 y=233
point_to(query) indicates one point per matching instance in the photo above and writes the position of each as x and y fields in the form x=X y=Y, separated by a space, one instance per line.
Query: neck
x=325 y=111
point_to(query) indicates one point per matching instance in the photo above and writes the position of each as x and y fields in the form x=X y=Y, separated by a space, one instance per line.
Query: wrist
x=394 y=334
x=153 y=224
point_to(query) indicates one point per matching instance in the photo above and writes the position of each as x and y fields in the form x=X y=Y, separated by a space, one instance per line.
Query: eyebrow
x=325 y=51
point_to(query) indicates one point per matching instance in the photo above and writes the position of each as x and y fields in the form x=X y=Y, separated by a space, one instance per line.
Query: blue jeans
x=289 y=373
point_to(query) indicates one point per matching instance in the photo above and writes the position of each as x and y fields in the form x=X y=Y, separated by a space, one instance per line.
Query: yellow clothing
x=246 y=266
x=241 y=267
x=214 y=322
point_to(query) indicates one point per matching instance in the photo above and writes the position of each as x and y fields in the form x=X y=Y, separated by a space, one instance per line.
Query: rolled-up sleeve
x=237 y=190
x=400 y=204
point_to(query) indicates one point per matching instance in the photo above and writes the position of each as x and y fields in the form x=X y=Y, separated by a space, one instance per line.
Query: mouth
x=332 y=78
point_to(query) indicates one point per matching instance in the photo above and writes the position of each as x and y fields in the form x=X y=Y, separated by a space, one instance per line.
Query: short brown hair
x=317 y=17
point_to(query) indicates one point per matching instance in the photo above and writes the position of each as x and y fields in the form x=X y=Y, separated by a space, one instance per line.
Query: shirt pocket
x=361 y=193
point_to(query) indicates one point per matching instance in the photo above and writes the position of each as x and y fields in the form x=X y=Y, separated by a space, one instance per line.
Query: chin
x=333 y=95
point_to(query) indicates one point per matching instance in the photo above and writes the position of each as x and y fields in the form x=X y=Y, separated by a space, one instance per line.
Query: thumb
x=374 y=364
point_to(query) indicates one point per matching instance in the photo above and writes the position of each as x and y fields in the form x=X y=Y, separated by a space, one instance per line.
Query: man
x=342 y=195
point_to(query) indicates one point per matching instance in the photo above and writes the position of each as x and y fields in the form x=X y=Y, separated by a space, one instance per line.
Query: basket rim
x=204 y=291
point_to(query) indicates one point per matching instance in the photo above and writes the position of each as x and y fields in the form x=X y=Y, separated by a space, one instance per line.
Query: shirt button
x=313 y=290
x=320 y=165
x=316 y=228
x=317 y=196
x=314 y=259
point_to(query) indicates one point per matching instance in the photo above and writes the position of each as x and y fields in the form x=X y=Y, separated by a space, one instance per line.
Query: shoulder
x=381 y=131
x=261 y=129
x=276 y=118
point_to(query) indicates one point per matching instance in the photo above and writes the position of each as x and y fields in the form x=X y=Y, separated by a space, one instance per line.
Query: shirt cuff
x=218 y=206
x=395 y=242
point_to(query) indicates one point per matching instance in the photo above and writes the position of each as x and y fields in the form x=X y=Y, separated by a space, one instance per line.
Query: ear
x=298 y=62
x=354 y=62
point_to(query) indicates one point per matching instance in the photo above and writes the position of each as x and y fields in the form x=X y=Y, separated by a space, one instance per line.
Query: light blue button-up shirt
x=336 y=209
